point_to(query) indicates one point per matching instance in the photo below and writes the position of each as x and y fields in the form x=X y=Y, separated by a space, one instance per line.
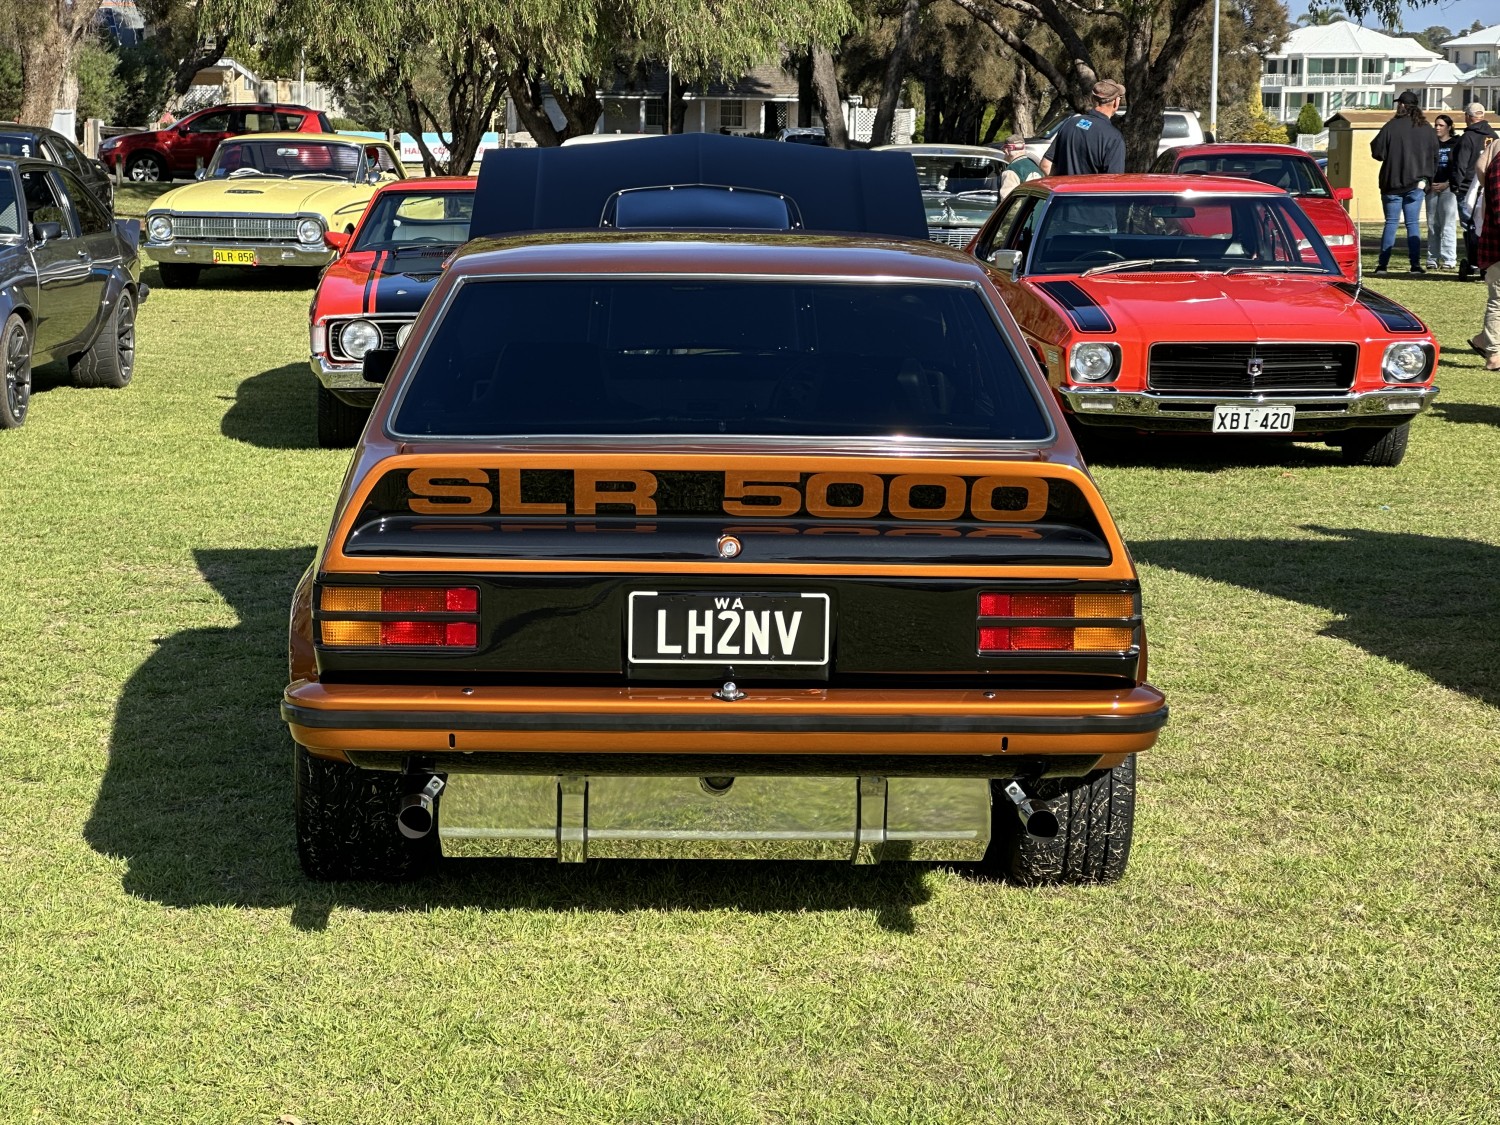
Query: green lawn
x=1308 y=931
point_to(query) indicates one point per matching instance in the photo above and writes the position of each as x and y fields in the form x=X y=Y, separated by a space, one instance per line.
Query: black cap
x=1407 y=97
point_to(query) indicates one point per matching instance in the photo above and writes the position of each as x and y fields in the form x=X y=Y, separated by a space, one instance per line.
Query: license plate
x=234 y=257
x=737 y=629
x=1254 y=419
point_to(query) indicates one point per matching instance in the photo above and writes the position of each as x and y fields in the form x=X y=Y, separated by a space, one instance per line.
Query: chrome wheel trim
x=125 y=335
x=17 y=372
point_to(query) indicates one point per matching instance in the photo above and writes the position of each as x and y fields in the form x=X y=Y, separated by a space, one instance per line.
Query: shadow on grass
x=1429 y=603
x=257 y=279
x=276 y=409
x=1197 y=453
x=197 y=799
x=1467 y=413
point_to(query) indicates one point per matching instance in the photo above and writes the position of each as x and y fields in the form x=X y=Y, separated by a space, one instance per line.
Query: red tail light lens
x=1017 y=637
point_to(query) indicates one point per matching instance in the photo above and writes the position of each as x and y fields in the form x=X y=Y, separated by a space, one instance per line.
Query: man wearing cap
x=1089 y=142
x=1477 y=136
x=1407 y=149
x=1018 y=166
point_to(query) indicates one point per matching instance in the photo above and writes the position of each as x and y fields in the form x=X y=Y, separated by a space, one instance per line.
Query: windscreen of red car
x=1176 y=233
x=287 y=159
x=1296 y=175
x=712 y=357
x=399 y=220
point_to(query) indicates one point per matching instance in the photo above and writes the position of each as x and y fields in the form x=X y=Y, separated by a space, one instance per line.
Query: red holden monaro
x=370 y=295
x=1202 y=304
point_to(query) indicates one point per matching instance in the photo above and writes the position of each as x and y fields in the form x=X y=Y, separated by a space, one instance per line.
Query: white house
x=1468 y=72
x=1337 y=66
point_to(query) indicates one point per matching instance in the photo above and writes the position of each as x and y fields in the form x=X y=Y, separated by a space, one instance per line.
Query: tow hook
x=1038 y=822
x=415 y=816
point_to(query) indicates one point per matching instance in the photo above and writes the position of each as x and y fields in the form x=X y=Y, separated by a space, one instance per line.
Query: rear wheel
x=15 y=354
x=147 y=167
x=1095 y=819
x=178 y=276
x=339 y=424
x=346 y=823
x=1381 y=448
x=111 y=360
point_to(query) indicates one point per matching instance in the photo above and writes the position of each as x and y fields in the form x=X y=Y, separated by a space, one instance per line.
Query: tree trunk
x=46 y=59
x=531 y=109
x=895 y=73
x=182 y=80
x=806 y=97
x=826 y=82
x=679 y=105
x=582 y=108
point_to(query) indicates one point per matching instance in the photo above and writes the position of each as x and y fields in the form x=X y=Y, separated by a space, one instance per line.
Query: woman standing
x=1442 y=204
x=1406 y=147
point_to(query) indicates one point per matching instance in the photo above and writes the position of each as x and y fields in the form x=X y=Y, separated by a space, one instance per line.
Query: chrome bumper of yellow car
x=201 y=253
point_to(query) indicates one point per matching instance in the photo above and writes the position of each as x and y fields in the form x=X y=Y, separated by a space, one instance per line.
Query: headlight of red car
x=1094 y=362
x=1407 y=362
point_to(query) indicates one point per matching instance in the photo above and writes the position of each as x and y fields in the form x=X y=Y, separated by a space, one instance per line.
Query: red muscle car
x=1288 y=168
x=162 y=154
x=369 y=296
x=1202 y=304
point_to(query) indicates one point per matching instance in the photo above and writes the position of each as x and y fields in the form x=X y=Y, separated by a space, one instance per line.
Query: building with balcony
x=1337 y=66
x=1468 y=72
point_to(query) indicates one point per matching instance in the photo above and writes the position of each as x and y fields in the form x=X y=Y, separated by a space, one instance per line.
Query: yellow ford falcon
x=267 y=199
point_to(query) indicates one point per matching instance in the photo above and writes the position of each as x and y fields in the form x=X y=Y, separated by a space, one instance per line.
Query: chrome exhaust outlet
x=415 y=816
x=1037 y=821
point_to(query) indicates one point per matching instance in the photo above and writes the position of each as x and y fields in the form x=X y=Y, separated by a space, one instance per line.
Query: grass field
x=1308 y=930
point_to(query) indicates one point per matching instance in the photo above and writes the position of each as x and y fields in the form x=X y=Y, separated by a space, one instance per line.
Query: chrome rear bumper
x=572 y=818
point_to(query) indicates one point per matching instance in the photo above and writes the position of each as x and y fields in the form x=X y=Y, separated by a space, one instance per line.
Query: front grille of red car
x=1234 y=368
x=240 y=228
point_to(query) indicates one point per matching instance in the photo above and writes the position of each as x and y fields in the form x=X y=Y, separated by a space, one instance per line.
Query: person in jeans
x=1442 y=204
x=1487 y=343
x=1406 y=147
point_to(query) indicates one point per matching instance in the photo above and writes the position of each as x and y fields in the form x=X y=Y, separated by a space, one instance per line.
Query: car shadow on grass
x=197 y=799
x=1468 y=413
x=276 y=409
x=1199 y=453
x=247 y=279
x=1429 y=603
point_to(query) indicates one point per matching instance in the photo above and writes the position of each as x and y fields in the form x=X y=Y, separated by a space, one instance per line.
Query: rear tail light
x=399 y=616
x=1063 y=631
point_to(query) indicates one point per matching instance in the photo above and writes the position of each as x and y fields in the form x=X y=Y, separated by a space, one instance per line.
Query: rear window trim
x=861 y=444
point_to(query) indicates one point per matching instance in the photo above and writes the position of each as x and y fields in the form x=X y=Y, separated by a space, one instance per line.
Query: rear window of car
x=1295 y=174
x=719 y=357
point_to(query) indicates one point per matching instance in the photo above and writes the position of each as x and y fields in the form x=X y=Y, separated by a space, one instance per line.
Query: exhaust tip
x=414 y=818
x=1042 y=823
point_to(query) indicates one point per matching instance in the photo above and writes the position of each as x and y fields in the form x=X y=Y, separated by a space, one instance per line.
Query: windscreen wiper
x=1140 y=263
x=1276 y=267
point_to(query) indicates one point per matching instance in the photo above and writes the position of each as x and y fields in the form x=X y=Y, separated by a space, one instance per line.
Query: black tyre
x=15 y=354
x=346 y=824
x=1381 y=448
x=339 y=424
x=175 y=276
x=110 y=361
x=1095 y=819
x=147 y=168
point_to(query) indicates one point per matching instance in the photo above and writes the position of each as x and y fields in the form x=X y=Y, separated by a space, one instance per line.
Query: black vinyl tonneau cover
x=836 y=191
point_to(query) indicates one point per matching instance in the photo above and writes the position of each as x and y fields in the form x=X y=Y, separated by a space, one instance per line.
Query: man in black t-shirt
x=1089 y=142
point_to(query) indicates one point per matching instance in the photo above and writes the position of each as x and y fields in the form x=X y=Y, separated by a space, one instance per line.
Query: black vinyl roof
x=836 y=191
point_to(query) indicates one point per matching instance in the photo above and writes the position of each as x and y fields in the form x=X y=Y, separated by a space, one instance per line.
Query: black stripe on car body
x=1082 y=309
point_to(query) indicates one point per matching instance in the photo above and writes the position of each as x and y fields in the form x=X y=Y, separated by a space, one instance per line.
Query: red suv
x=162 y=154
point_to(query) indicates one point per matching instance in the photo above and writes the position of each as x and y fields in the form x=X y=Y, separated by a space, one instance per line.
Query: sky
x=1455 y=14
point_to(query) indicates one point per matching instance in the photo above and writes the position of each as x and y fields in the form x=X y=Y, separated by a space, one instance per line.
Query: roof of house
x=767 y=81
x=1488 y=37
x=1345 y=38
x=1438 y=74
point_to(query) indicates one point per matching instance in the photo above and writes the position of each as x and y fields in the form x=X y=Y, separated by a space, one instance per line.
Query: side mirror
x=1343 y=194
x=1007 y=260
x=201 y=173
x=45 y=232
x=378 y=364
x=336 y=240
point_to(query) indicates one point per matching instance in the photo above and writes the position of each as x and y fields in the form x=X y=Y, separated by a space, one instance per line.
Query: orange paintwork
x=608 y=253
